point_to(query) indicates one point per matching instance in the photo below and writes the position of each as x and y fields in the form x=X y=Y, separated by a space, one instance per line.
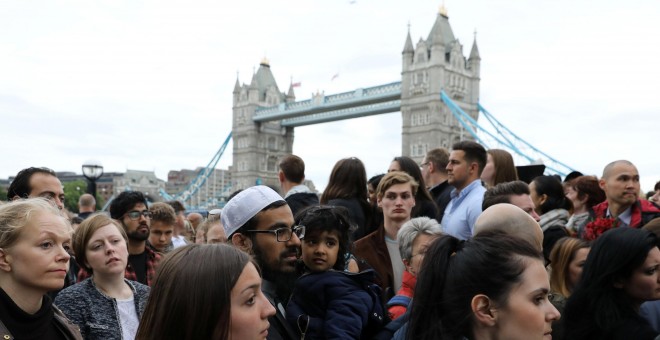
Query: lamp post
x=92 y=170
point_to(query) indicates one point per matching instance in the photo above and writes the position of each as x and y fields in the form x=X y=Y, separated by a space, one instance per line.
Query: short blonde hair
x=15 y=215
x=84 y=233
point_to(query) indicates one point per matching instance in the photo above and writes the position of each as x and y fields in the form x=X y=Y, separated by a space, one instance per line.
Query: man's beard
x=137 y=236
x=283 y=281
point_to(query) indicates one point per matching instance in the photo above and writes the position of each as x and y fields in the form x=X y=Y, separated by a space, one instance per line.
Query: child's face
x=320 y=250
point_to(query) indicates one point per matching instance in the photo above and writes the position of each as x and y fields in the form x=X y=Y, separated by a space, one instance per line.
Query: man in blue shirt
x=466 y=161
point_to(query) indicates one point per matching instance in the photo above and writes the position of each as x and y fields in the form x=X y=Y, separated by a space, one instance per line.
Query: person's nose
x=553 y=314
x=294 y=241
x=109 y=248
x=535 y=216
x=59 y=203
x=268 y=310
x=63 y=255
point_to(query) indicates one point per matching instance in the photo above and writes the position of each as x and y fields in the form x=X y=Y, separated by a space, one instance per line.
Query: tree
x=3 y=194
x=72 y=192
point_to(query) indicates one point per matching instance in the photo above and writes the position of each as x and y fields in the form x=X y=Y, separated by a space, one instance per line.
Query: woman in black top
x=622 y=271
x=34 y=239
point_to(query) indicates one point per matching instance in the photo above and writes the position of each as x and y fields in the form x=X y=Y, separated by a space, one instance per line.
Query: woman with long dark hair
x=347 y=187
x=209 y=291
x=493 y=286
x=553 y=207
x=424 y=204
x=621 y=272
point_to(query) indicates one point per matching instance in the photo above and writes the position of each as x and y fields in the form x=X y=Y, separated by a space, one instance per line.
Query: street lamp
x=92 y=170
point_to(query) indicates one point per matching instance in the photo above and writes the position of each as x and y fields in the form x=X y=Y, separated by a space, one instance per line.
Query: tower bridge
x=264 y=118
x=438 y=97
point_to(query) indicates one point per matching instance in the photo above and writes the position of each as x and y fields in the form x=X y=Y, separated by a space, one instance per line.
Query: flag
x=295 y=84
x=335 y=76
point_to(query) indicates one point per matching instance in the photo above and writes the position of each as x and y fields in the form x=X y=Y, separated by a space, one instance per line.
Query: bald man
x=620 y=182
x=511 y=220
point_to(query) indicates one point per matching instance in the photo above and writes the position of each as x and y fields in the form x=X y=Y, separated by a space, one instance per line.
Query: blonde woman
x=567 y=259
x=34 y=239
x=106 y=305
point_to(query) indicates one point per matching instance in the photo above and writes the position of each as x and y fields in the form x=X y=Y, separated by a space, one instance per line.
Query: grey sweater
x=96 y=313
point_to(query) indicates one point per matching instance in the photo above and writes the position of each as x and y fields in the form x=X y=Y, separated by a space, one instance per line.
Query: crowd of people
x=462 y=245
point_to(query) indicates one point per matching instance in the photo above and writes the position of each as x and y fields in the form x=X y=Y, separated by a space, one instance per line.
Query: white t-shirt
x=128 y=318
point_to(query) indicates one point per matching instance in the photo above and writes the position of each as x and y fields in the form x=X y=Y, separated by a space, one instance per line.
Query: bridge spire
x=474 y=53
x=408 y=47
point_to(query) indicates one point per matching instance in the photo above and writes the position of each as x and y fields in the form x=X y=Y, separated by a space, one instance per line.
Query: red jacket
x=642 y=212
x=398 y=305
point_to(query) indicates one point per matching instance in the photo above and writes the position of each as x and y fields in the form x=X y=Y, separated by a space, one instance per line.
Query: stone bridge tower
x=258 y=147
x=433 y=65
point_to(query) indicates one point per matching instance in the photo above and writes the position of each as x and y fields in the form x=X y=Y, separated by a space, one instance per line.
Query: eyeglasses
x=423 y=164
x=134 y=215
x=284 y=234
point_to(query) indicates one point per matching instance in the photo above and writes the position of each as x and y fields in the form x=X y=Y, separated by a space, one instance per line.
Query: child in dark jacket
x=328 y=302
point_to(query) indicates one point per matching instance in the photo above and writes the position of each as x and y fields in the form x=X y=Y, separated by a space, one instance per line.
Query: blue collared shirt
x=463 y=210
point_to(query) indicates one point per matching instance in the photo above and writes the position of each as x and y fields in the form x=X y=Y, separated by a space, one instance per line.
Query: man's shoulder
x=649 y=207
x=371 y=238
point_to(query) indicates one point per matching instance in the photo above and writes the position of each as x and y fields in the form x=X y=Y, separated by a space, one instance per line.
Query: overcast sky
x=147 y=85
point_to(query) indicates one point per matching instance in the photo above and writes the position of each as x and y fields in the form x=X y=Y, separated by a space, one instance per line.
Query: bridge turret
x=474 y=64
x=408 y=53
x=253 y=92
x=439 y=37
x=474 y=61
x=237 y=91
x=290 y=96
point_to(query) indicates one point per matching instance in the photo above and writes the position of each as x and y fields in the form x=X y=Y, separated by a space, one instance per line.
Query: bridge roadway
x=320 y=109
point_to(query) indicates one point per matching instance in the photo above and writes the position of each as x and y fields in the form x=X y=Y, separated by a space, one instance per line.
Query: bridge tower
x=258 y=146
x=433 y=65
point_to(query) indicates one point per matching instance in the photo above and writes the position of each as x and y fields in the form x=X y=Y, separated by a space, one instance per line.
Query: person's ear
x=408 y=266
x=242 y=242
x=5 y=260
x=280 y=176
x=542 y=199
x=474 y=167
x=483 y=310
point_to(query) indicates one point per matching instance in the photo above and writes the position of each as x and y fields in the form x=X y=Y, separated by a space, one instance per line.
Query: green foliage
x=72 y=192
x=100 y=202
x=3 y=194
